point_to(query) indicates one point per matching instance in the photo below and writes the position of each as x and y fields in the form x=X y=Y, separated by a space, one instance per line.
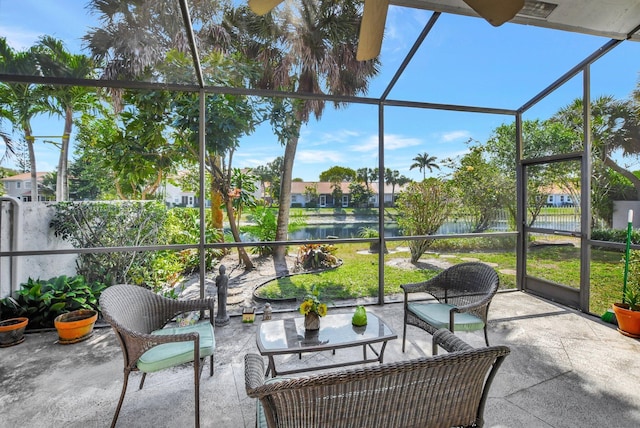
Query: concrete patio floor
x=565 y=369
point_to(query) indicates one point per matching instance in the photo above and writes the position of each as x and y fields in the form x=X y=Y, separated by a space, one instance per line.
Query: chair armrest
x=148 y=341
x=194 y=305
x=471 y=306
x=181 y=306
x=253 y=373
x=449 y=341
x=415 y=287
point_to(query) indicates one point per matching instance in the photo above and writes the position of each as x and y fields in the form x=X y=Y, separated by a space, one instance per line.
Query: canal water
x=349 y=227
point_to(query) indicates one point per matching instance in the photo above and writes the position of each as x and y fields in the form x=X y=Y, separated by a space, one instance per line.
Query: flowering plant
x=311 y=303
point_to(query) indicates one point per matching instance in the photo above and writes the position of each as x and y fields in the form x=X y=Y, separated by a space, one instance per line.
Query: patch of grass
x=358 y=275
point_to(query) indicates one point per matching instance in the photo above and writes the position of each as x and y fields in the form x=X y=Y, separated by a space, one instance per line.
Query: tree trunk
x=242 y=254
x=635 y=181
x=32 y=161
x=282 y=227
x=62 y=190
x=216 y=201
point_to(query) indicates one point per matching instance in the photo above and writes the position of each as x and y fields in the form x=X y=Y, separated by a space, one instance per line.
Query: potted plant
x=75 y=326
x=312 y=309
x=628 y=311
x=63 y=302
x=12 y=328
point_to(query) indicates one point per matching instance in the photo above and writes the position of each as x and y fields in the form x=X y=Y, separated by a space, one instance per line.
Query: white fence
x=25 y=227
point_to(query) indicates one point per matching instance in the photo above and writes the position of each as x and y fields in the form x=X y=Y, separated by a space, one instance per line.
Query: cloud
x=341 y=136
x=396 y=37
x=20 y=39
x=447 y=137
x=319 y=156
x=391 y=142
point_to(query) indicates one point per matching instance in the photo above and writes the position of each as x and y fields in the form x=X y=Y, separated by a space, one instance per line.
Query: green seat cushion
x=171 y=354
x=437 y=315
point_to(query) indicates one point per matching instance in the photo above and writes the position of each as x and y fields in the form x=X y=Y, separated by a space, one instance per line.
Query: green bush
x=183 y=227
x=317 y=256
x=42 y=301
x=111 y=224
x=615 y=235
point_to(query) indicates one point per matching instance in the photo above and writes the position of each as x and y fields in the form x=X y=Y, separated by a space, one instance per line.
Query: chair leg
x=122 y=394
x=434 y=347
x=144 y=375
x=486 y=336
x=196 y=368
x=211 y=365
x=404 y=335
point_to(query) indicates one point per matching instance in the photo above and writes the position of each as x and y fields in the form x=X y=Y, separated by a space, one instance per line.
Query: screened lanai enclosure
x=144 y=140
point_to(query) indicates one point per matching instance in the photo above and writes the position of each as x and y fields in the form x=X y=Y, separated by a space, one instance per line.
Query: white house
x=19 y=187
x=324 y=189
x=557 y=197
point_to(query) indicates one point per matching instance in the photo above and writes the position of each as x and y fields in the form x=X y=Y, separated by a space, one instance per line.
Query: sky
x=464 y=61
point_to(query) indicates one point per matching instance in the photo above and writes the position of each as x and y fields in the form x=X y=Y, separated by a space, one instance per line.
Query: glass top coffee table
x=288 y=336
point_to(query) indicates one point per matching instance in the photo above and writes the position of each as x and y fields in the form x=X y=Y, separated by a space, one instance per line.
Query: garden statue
x=266 y=314
x=221 y=285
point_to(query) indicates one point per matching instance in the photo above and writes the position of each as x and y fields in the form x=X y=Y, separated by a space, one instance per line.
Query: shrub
x=265 y=228
x=368 y=232
x=108 y=224
x=183 y=227
x=42 y=301
x=422 y=208
x=317 y=256
x=615 y=235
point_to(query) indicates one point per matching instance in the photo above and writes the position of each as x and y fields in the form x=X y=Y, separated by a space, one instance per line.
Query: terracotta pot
x=12 y=331
x=75 y=326
x=628 y=320
x=312 y=321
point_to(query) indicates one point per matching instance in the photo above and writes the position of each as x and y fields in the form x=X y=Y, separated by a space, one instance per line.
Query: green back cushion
x=171 y=354
x=437 y=314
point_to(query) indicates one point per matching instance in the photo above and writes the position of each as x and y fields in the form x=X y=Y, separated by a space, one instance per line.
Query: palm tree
x=308 y=49
x=8 y=145
x=54 y=60
x=423 y=162
x=158 y=30
x=615 y=127
x=20 y=102
x=391 y=179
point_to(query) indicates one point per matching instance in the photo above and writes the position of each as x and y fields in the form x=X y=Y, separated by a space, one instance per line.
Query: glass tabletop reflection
x=336 y=331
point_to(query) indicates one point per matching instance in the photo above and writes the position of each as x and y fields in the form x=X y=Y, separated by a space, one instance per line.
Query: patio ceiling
x=614 y=19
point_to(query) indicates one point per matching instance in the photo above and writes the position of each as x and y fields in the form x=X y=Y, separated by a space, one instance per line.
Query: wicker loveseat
x=441 y=391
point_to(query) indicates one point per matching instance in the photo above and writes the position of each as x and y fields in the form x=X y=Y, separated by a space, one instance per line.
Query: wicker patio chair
x=428 y=392
x=463 y=293
x=138 y=316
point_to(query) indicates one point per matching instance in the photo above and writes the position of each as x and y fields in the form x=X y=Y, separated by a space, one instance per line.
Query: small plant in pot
x=628 y=311
x=64 y=302
x=11 y=328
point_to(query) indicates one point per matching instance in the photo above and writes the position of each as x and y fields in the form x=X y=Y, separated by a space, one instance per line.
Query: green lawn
x=358 y=274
